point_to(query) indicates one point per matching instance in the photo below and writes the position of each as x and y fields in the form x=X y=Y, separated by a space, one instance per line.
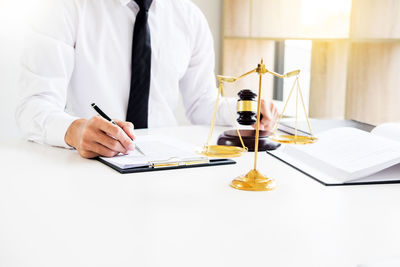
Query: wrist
x=73 y=133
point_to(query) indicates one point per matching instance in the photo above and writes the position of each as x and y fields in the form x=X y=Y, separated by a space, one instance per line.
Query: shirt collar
x=126 y=2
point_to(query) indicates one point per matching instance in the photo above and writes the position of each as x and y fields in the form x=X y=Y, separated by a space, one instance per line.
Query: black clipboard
x=211 y=163
x=357 y=182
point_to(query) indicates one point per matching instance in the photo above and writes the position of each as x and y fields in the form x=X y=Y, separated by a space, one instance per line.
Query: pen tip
x=93 y=104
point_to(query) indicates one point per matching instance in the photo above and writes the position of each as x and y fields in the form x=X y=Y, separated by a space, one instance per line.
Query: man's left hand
x=270 y=115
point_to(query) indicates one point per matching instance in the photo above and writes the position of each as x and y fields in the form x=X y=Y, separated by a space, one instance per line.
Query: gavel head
x=247 y=107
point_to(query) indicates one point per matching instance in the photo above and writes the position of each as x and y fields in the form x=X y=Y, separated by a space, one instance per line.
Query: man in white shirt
x=81 y=51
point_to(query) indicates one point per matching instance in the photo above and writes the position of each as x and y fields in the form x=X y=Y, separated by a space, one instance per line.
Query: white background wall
x=213 y=11
x=12 y=18
x=11 y=34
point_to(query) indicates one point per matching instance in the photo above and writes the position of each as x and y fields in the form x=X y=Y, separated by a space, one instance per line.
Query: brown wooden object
x=231 y=138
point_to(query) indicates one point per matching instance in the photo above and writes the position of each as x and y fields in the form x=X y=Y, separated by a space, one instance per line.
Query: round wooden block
x=231 y=138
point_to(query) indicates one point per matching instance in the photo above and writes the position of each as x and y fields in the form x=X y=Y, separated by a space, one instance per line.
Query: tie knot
x=144 y=4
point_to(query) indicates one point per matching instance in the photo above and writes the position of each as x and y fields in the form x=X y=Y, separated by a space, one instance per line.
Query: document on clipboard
x=160 y=153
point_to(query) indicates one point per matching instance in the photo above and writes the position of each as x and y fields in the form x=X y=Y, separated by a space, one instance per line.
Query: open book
x=344 y=155
x=158 y=152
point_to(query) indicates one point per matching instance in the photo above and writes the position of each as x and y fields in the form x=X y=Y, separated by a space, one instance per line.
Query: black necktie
x=138 y=105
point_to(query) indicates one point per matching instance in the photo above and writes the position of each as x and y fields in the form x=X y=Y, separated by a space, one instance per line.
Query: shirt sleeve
x=198 y=85
x=47 y=65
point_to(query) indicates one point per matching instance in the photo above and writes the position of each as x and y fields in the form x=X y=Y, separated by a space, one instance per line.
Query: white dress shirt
x=79 y=52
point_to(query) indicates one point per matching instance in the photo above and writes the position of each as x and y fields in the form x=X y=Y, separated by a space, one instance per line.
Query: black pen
x=102 y=114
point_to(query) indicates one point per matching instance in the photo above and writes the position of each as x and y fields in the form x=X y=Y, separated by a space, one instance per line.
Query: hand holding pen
x=101 y=136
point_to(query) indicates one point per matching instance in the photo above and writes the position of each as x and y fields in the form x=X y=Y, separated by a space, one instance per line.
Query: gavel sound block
x=247 y=111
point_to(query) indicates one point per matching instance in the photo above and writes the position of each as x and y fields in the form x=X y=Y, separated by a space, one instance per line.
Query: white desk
x=57 y=209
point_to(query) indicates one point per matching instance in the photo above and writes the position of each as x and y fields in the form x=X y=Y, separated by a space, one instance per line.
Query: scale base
x=221 y=151
x=231 y=138
x=253 y=181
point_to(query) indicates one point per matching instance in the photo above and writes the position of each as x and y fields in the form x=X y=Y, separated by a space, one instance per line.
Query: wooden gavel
x=247 y=107
x=247 y=111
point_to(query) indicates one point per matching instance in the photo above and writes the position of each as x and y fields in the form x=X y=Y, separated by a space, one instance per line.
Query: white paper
x=347 y=153
x=155 y=149
x=388 y=130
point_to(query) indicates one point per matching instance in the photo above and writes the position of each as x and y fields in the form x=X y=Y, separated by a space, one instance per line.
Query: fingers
x=273 y=115
x=94 y=149
x=111 y=143
x=274 y=111
x=102 y=150
x=89 y=146
x=270 y=115
x=87 y=154
x=116 y=132
x=266 y=115
x=127 y=127
x=98 y=137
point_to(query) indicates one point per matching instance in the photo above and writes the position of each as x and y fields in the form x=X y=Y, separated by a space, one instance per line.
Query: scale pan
x=292 y=139
x=222 y=151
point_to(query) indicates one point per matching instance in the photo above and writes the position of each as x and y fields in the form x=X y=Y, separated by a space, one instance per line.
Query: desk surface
x=57 y=209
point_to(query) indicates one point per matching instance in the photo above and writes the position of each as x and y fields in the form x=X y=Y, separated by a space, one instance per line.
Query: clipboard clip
x=175 y=162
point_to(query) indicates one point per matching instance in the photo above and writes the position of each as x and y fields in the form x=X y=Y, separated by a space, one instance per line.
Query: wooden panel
x=237 y=18
x=299 y=19
x=373 y=88
x=271 y=18
x=328 y=79
x=240 y=56
x=375 y=19
x=351 y=80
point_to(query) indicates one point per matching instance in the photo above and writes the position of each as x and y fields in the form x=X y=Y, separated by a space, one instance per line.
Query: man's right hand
x=98 y=137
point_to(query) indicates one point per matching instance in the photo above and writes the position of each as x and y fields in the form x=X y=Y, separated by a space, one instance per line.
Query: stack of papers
x=157 y=151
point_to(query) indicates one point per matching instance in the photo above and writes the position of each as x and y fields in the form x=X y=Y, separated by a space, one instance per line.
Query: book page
x=388 y=130
x=389 y=174
x=348 y=153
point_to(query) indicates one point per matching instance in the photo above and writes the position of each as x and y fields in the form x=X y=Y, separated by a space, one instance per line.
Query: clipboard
x=210 y=163
x=156 y=153
x=350 y=183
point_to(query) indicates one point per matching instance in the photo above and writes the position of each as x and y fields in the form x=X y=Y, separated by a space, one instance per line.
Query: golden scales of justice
x=254 y=180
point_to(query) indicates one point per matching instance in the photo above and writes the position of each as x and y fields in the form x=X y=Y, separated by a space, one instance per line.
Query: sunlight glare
x=328 y=18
